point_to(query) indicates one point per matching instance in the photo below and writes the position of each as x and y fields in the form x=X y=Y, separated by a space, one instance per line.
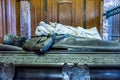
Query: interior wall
x=37 y=13
x=93 y=13
x=1 y=33
x=62 y=11
x=84 y=13
x=7 y=18
x=11 y=16
x=17 y=17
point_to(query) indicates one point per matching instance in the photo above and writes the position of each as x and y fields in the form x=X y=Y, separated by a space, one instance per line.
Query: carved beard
x=6 y=71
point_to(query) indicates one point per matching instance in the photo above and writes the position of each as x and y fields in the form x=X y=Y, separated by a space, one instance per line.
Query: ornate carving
x=6 y=71
x=26 y=58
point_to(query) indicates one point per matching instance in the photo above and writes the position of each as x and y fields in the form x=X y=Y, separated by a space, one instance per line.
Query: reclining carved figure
x=70 y=42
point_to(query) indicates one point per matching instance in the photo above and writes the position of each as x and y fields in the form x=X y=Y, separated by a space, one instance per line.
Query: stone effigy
x=4 y=47
x=86 y=44
x=70 y=42
x=10 y=39
x=57 y=28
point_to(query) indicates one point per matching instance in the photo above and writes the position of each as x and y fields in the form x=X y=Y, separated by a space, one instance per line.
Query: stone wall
x=25 y=19
x=108 y=4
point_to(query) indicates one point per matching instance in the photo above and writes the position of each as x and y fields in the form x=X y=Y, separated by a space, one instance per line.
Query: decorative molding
x=25 y=58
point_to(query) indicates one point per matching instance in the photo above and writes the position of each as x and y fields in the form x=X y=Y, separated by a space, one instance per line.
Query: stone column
x=25 y=20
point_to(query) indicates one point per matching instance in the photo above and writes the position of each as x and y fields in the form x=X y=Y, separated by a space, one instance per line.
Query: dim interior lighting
x=111 y=74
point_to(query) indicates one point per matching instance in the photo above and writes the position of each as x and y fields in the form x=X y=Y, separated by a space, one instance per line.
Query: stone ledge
x=25 y=58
